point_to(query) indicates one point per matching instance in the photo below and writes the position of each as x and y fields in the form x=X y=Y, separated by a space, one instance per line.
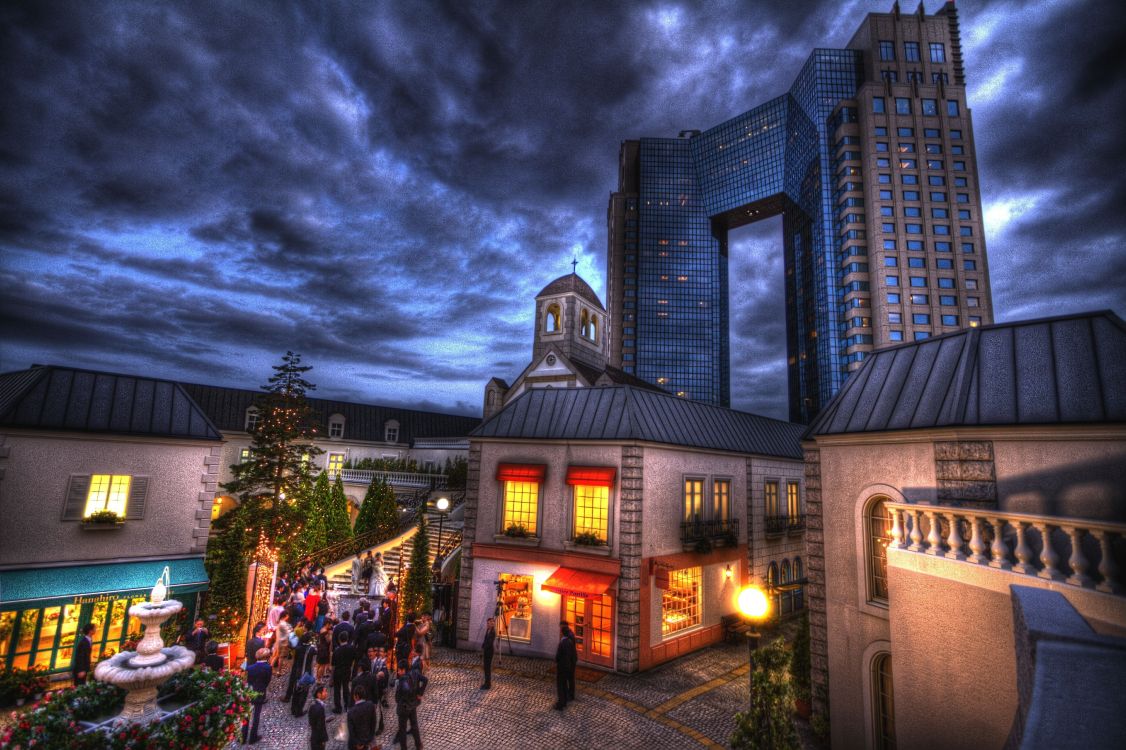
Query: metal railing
x=394 y=478
x=796 y=524
x=775 y=525
x=709 y=530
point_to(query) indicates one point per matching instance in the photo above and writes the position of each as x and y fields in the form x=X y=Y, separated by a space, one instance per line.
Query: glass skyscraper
x=869 y=159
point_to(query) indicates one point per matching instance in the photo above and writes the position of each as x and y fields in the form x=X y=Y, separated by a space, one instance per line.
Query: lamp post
x=753 y=605
x=443 y=505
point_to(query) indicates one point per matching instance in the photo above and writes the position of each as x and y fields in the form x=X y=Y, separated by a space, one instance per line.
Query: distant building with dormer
x=570 y=348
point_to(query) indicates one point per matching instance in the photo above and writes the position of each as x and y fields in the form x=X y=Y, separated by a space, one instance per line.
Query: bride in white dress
x=378 y=579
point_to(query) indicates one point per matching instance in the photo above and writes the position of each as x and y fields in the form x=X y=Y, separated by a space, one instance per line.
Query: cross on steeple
x=574 y=264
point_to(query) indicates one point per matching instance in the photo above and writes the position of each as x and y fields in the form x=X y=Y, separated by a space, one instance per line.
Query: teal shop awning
x=108 y=578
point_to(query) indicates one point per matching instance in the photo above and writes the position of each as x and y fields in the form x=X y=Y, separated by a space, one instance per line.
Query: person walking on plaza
x=409 y=688
x=343 y=661
x=362 y=721
x=487 y=652
x=80 y=667
x=566 y=657
x=304 y=660
x=318 y=732
x=258 y=677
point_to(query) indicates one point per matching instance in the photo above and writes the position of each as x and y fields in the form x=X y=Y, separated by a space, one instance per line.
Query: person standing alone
x=566 y=658
x=487 y=646
x=318 y=732
x=80 y=668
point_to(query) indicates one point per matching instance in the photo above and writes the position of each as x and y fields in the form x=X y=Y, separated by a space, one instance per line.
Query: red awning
x=597 y=476
x=580 y=583
x=520 y=472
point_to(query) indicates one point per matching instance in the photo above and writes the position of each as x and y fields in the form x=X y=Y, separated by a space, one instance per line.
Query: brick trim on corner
x=468 y=537
x=815 y=588
x=629 y=545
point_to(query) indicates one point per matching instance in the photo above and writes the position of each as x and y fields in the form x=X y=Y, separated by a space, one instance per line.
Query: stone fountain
x=140 y=672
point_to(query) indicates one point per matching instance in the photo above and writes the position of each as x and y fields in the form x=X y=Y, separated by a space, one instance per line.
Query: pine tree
x=769 y=723
x=313 y=532
x=366 y=519
x=226 y=563
x=338 y=524
x=282 y=447
x=416 y=594
x=386 y=515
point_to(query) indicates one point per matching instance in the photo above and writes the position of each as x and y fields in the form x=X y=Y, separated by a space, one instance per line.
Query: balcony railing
x=1075 y=551
x=710 y=532
x=776 y=525
x=795 y=524
x=395 y=478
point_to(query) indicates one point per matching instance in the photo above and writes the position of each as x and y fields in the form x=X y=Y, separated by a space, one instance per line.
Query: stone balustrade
x=1078 y=551
x=395 y=478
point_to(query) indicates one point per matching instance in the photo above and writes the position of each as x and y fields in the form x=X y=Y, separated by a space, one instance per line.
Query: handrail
x=400 y=478
x=707 y=529
x=1025 y=543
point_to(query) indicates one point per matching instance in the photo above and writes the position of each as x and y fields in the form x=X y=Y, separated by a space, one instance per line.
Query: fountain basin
x=141 y=681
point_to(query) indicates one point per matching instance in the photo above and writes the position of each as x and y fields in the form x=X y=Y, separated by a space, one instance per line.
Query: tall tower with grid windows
x=869 y=158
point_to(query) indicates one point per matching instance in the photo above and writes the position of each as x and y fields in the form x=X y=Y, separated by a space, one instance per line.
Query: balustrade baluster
x=977 y=542
x=934 y=538
x=916 y=532
x=896 y=529
x=1048 y=557
x=1077 y=561
x=999 y=550
x=1022 y=551
x=1108 y=569
x=954 y=540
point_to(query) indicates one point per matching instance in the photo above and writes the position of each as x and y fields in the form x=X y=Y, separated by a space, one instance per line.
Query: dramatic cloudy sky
x=190 y=189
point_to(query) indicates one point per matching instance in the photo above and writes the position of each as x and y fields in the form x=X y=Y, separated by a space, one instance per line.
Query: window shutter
x=138 y=488
x=76 y=491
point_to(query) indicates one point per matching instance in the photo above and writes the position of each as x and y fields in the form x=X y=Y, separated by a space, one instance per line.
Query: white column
x=977 y=542
x=934 y=538
x=999 y=550
x=1023 y=551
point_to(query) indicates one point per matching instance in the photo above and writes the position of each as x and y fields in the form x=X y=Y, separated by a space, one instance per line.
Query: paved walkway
x=689 y=703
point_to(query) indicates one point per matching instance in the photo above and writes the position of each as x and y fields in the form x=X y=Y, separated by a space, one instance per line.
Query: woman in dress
x=378 y=579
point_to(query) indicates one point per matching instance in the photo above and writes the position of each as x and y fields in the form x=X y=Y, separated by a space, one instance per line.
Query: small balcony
x=704 y=535
x=796 y=525
x=775 y=526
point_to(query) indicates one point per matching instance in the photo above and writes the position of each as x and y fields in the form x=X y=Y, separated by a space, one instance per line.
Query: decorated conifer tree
x=768 y=725
x=338 y=523
x=313 y=535
x=416 y=595
x=370 y=509
x=386 y=514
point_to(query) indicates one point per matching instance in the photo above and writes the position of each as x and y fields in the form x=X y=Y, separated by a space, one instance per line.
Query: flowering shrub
x=218 y=705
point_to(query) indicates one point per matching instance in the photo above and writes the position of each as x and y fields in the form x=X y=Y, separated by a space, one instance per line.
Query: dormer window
x=252 y=418
x=553 y=319
x=391 y=431
x=336 y=426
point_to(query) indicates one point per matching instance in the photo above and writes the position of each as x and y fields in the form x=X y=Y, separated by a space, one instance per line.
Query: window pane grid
x=600 y=626
x=771 y=491
x=108 y=492
x=879 y=532
x=520 y=501
x=680 y=602
x=693 y=499
x=721 y=499
x=592 y=505
x=792 y=501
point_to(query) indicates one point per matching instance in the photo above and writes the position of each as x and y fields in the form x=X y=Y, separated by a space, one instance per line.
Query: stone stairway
x=340 y=576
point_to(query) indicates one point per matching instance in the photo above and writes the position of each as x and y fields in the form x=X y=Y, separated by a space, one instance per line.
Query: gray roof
x=227 y=409
x=572 y=282
x=625 y=413
x=65 y=398
x=1064 y=370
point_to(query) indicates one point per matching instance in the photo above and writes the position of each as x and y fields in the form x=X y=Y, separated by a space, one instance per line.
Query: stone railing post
x=999 y=551
x=1023 y=552
x=1048 y=557
x=916 y=532
x=1108 y=569
x=977 y=542
x=896 y=529
x=934 y=538
x=954 y=539
x=1077 y=561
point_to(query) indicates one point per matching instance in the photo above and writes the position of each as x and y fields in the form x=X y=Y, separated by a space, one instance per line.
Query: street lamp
x=443 y=505
x=753 y=605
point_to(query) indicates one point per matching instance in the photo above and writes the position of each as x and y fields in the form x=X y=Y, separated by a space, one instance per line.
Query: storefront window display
x=516 y=606
x=680 y=602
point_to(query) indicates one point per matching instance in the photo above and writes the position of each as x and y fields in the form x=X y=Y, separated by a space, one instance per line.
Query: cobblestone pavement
x=688 y=703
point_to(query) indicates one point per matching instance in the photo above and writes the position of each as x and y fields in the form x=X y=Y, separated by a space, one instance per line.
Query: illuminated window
x=793 y=500
x=877 y=525
x=244 y=455
x=883 y=703
x=693 y=499
x=336 y=426
x=516 y=606
x=521 y=500
x=108 y=492
x=680 y=602
x=553 y=319
x=592 y=510
x=335 y=464
x=252 y=418
x=721 y=499
x=770 y=490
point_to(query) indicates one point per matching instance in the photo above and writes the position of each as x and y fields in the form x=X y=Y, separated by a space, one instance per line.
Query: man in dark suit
x=404 y=642
x=258 y=677
x=255 y=644
x=361 y=721
x=196 y=640
x=566 y=658
x=318 y=732
x=364 y=629
x=487 y=651
x=213 y=660
x=343 y=661
x=80 y=667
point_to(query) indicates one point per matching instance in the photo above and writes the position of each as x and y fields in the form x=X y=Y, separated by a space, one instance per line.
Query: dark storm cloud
x=190 y=189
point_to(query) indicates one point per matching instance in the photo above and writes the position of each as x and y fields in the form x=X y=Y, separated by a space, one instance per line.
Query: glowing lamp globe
x=752 y=603
x=443 y=504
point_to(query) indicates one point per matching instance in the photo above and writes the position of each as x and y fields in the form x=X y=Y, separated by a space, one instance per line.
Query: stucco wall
x=1085 y=479
x=952 y=645
x=545 y=607
x=34 y=486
